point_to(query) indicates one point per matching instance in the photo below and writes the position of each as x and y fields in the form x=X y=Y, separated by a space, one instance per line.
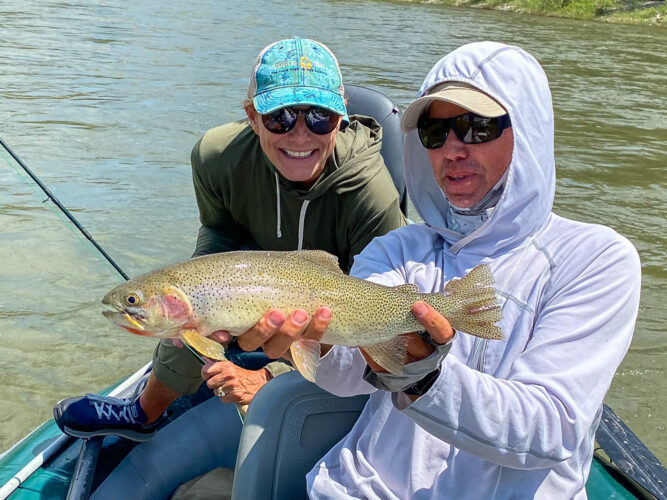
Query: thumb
x=435 y=323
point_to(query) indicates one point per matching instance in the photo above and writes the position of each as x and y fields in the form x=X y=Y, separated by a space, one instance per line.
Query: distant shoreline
x=640 y=12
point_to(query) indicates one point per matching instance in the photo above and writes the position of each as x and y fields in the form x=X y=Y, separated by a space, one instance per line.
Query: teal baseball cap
x=296 y=72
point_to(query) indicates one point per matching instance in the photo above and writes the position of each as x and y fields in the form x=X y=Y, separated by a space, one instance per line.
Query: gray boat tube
x=369 y=102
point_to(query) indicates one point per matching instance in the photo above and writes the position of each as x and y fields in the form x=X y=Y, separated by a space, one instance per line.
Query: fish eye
x=132 y=298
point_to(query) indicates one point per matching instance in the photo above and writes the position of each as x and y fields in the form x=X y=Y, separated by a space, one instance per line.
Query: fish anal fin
x=407 y=288
x=306 y=357
x=320 y=257
x=389 y=355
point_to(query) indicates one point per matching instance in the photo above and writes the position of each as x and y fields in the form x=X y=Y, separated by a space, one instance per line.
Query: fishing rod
x=63 y=209
x=78 y=225
x=82 y=481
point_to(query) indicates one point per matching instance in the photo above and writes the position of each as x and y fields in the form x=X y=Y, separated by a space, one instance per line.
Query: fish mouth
x=127 y=320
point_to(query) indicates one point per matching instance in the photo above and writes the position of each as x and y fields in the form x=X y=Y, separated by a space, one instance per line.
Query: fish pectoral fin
x=407 y=288
x=306 y=357
x=389 y=355
x=204 y=346
x=320 y=257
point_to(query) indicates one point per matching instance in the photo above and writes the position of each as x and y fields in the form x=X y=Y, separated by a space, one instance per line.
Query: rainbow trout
x=233 y=290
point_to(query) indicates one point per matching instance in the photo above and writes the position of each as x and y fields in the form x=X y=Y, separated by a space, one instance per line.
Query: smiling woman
x=295 y=106
x=299 y=153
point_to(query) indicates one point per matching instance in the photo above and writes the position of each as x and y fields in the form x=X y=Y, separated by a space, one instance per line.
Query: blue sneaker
x=94 y=415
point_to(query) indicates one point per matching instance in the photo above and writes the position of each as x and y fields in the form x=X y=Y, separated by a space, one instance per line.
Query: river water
x=104 y=99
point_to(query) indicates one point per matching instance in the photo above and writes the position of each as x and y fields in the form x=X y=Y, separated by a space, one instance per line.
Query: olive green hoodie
x=244 y=202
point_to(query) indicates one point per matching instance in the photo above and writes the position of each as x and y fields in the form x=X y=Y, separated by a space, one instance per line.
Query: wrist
x=422 y=386
x=267 y=374
x=426 y=337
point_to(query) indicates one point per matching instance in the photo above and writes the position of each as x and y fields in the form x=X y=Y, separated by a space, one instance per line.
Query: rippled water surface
x=104 y=100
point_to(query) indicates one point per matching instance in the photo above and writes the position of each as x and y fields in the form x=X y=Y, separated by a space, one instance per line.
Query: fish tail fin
x=306 y=357
x=471 y=303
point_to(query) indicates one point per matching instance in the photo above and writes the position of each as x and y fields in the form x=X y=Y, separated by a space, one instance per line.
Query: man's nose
x=454 y=148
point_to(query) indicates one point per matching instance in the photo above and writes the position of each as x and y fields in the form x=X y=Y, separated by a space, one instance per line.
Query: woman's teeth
x=298 y=154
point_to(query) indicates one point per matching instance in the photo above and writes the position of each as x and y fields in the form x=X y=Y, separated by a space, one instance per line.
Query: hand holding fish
x=424 y=354
x=417 y=348
x=275 y=332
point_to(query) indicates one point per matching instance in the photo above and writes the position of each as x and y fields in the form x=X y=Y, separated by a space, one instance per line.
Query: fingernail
x=276 y=319
x=299 y=317
x=325 y=313
x=419 y=309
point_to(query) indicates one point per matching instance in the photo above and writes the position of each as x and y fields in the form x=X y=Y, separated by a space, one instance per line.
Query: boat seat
x=290 y=425
x=370 y=102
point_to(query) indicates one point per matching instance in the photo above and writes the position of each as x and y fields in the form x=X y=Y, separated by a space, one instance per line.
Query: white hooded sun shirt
x=506 y=419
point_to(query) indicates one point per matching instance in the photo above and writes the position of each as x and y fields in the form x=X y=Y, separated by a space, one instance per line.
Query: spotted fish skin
x=233 y=290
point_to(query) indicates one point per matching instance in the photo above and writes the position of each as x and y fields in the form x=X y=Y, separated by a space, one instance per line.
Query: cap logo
x=305 y=63
x=296 y=71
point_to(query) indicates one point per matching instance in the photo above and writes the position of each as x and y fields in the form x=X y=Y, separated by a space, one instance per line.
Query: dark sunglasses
x=320 y=121
x=469 y=128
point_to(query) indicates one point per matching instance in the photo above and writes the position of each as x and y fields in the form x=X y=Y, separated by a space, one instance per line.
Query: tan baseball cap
x=459 y=93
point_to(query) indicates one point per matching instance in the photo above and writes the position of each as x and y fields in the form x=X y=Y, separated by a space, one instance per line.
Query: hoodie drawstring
x=302 y=215
x=279 y=233
x=302 y=222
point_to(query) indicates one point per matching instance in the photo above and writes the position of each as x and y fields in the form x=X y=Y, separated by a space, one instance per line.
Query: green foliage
x=649 y=12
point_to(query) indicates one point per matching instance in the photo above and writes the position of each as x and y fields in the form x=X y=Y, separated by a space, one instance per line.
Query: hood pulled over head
x=513 y=79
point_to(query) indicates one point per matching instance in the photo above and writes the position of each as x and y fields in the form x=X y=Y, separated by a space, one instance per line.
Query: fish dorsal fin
x=389 y=355
x=407 y=288
x=320 y=257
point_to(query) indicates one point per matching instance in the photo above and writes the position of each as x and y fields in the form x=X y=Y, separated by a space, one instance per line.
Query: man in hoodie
x=297 y=174
x=474 y=418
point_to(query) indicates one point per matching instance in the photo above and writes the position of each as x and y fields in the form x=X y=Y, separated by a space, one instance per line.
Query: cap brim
x=269 y=101
x=461 y=94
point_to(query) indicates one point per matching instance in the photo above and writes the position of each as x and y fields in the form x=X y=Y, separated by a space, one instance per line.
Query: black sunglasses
x=469 y=128
x=320 y=121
